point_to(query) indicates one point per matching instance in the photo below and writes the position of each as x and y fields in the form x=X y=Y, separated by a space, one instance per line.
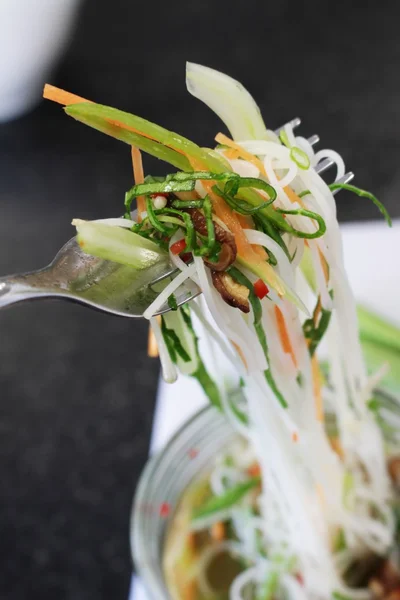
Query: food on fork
x=253 y=224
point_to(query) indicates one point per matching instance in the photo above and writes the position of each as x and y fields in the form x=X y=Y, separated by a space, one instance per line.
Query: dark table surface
x=77 y=390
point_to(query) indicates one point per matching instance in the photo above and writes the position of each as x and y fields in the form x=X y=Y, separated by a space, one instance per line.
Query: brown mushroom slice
x=394 y=470
x=233 y=293
x=228 y=252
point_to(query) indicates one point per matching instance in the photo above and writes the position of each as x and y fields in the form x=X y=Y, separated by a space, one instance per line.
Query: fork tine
x=345 y=179
x=324 y=165
x=170 y=273
x=314 y=139
x=293 y=123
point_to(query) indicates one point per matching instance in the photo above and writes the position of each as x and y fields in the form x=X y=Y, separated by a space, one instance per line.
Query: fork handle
x=18 y=288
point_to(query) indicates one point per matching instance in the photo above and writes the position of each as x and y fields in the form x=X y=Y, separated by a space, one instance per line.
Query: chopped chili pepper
x=193 y=452
x=165 y=509
x=260 y=289
x=178 y=247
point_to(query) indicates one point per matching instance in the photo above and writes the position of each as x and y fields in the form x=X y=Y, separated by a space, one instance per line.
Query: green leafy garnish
x=340 y=596
x=172 y=302
x=305 y=213
x=363 y=194
x=313 y=332
x=227 y=500
x=259 y=329
x=173 y=343
x=300 y=158
x=201 y=374
x=269 y=587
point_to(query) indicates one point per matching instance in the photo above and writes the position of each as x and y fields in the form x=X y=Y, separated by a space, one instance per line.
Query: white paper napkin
x=374 y=275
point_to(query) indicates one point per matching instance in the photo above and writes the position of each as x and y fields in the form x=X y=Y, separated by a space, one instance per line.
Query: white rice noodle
x=293 y=589
x=168 y=368
x=244 y=168
x=204 y=560
x=284 y=267
x=229 y=413
x=263 y=148
x=176 y=259
x=239 y=584
x=323 y=291
x=213 y=332
x=291 y=168
x=235 y=329
x=290 y=135
x=337 y=159
x=168 y=290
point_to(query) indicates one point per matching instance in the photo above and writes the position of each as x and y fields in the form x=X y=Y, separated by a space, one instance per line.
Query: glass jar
x=163 y=481
x=186 y=456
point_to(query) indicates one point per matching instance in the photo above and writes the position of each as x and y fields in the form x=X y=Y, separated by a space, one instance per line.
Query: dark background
x=77 y=390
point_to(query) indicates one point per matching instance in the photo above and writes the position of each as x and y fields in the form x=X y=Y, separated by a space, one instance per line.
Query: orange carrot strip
x=316 y=375
x=138 y=175
x=218 y=531
x=231 y=153
x=50 y=92
x=324 y=264
x=152 y=347
x=293 y=197
x=223 y=139
x=283 y=334
x=240 y=352
x=337 y=447
x=254 y=470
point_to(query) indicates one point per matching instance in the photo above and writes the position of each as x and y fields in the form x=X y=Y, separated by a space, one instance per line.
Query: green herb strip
x=257 y=312
x=230 y=498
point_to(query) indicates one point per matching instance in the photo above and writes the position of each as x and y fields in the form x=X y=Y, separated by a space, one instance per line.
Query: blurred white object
x=33 y=35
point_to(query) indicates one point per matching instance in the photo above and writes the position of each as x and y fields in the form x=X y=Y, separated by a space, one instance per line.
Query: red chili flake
x=186 y=257
x=165 y=509
x=164 y=194
x=300 y=578
x=193 y=452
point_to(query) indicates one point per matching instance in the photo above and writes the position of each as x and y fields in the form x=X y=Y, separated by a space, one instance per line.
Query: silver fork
x=103 y=285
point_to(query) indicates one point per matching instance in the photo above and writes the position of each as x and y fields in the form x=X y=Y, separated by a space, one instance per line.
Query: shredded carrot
x=254 y=470
x=240 y=352
x=223 y=139
x=230 y=218
x=337 y=447
x=293 y=197
x=191 y=540
x=295 y=436
x=138 y=175
x=50 y=92
x=245 y=221
x=218 y=531
x=316 y=375
x=152 y=347
x=317 y=312
x=324 y=264
x=321 y=494
x=231 y=153
x=283 y=334
x=190 y=590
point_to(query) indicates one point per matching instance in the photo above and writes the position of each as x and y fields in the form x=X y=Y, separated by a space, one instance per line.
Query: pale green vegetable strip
x=116 y=244
x=229 y=100
x=375 y=329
